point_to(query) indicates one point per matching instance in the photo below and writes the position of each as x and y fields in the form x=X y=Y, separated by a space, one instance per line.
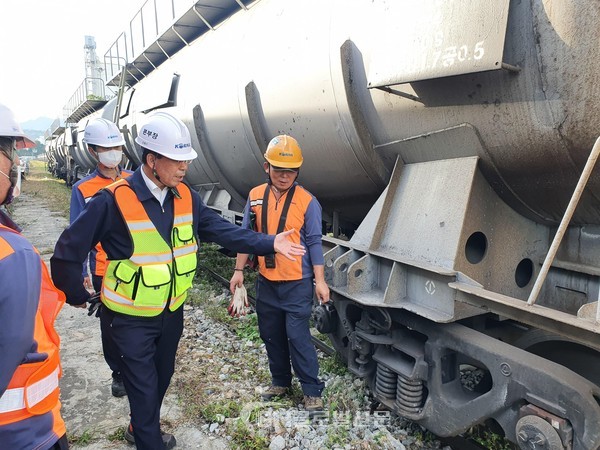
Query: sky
x=42 y=49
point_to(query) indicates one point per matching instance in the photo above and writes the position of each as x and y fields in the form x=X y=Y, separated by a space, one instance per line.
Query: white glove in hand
x=239 y=302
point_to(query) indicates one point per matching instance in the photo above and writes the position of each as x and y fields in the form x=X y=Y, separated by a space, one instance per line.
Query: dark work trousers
x=61 y=444
x=147 y=346
x=111 y=354
x=284 y=310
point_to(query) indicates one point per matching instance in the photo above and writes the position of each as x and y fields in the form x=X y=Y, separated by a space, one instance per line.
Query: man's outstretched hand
x=286 y=247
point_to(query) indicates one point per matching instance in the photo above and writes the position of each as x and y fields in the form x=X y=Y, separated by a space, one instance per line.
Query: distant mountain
x=39 y=124
x=35 y=129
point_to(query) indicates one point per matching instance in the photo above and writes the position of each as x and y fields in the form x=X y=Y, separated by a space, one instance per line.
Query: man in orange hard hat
x=284 y=288
x=29 y=302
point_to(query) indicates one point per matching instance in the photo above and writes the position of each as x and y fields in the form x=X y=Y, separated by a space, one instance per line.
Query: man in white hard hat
x=29 y=302
x=149 y=226
x=104 y=140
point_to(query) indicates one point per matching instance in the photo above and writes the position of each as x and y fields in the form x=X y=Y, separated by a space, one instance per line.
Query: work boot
x=117 y=387
x=167 y=438
x=273 y=391
x=313 y=404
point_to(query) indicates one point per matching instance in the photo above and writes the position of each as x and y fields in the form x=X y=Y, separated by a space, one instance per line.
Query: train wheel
x=345 y=317
x=580 y=359
x=533 y=432
x=340 y=343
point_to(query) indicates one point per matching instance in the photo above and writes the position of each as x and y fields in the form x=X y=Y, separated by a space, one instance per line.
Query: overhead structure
x=90 y=96
x=158 y=31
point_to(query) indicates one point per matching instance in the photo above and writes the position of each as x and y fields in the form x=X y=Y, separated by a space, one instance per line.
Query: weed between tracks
x=85 y=438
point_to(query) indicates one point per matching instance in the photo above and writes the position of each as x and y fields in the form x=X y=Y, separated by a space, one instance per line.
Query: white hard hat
x=103 y=133
x=168 y=136
x=10 y=128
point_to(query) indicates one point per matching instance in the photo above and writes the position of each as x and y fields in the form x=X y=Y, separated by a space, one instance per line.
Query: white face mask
x=111 y=158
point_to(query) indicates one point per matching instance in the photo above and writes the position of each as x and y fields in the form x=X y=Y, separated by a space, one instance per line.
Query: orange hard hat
x=283 y=151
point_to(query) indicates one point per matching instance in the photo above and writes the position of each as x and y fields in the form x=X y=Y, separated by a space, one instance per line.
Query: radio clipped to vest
x=270 y=259
x=252 y=261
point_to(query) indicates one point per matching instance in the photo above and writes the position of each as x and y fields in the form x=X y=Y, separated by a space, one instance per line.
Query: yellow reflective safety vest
x=155 y=274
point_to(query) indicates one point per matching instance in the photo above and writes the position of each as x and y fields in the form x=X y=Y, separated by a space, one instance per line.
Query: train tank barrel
x=531 y=122
x=447 y=137
x=84 y=160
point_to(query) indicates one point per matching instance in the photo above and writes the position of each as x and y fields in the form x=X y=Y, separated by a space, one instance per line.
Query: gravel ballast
x=213 y=401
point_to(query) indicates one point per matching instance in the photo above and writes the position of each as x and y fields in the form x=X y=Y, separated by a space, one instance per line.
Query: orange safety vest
x=285 y=269
x=88 y=189
x=33 y=389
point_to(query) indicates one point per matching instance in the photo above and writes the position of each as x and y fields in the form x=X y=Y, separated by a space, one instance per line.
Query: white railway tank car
x=450 y=136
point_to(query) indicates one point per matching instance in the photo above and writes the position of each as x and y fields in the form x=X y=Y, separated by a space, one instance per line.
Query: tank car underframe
x=425 y=291
x=414 y=367
x=440 y=243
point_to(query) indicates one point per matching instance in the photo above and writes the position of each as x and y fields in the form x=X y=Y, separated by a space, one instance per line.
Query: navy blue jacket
x=20 y=278
x=20 y=283
x=101 y=222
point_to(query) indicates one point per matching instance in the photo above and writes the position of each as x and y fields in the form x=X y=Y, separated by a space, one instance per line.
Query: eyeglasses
x=187 y=162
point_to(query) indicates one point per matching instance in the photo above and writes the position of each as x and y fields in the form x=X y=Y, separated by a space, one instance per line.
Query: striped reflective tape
x=14 y=399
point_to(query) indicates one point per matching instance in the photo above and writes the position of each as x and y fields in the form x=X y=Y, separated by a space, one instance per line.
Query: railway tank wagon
x=68 y=155
x=449 y=136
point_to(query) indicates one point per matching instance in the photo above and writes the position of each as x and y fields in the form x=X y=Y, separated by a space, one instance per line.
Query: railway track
x=455 y=442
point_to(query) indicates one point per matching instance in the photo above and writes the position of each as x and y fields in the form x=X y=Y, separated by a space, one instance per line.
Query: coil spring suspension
x=409 y=395
x=385 y=382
